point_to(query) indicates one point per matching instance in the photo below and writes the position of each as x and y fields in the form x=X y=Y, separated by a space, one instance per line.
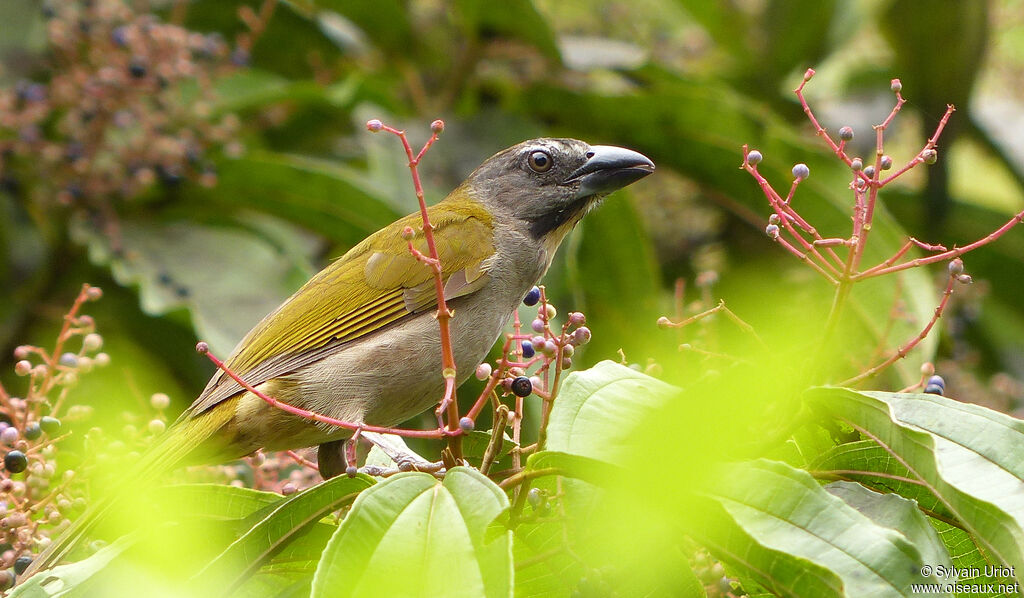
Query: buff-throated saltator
x=359 y=342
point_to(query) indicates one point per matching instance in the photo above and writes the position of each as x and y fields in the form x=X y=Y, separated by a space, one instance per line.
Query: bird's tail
x=173 y=448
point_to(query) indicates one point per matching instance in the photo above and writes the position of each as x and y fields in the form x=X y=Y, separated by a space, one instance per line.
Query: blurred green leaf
x=319 y=195
x=72 y=579
x=613 y=264
x=517 y=19
x=436 y=530
x=274 y=527
x=225 y=302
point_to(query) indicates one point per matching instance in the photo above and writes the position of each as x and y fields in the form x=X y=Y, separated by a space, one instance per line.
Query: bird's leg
x=397 y=451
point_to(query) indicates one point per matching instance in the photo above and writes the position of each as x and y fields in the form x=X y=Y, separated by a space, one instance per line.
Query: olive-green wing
x=377 y=283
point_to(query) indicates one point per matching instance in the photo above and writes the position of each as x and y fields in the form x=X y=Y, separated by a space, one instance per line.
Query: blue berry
x=754 y=157
x=466 y=425
x=351 y=471
x=532 y=297
x=934 y=389
x=33 y=431
x=15 y=461
x=528 y=350
x=801 y=172
x=136 y=69
x=119 y=36
x=846 y=133
x=522 y=387
x=21 y=564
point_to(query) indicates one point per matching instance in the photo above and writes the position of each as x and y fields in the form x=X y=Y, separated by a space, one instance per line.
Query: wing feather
x=376 y=283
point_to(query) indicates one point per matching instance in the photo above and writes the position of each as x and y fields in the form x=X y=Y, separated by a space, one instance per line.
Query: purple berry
x=532 y=297
x=528 y=350
x=801 y=172
x=466 y=425
x=522 y=387
x=846 y=133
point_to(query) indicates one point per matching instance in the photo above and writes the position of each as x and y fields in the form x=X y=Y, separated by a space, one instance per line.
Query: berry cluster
x=126 y=102
x=36 y=502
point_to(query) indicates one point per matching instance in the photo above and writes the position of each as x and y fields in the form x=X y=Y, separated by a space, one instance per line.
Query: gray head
x=551 y=183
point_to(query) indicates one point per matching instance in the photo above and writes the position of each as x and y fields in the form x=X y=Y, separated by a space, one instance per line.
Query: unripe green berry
x=50 y=425
x=930 y=156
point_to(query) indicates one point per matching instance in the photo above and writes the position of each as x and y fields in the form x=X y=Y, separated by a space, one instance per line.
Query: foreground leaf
x=598 y=409
x=414 y=535
x=970 y=458
x=796 y=539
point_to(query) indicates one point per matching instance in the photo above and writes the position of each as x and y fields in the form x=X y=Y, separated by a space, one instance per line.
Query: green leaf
x=514 y=18
x=598 y=409
x=223 y=298
x=613 y=264
x=275 y=526
x=435 y=531
x=796 y=539
x=858 y=461
x=573 y=466
x=74 y=578
x=317 y=194
x=213 y=500
x=969 y=457
x=900 y=514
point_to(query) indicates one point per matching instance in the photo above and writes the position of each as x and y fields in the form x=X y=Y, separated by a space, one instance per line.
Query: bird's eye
x=540 y=161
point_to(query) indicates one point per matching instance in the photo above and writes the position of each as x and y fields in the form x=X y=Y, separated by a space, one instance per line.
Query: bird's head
x=548 y=184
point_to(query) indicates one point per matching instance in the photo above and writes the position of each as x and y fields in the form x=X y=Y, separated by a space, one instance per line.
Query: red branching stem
x=302 y=460
x=919 y=158
x=873 y=186
x=806 y=259
x=493 y=380
x=902 y=351
x=885 y=268
x=444 y=314
x=317 y=417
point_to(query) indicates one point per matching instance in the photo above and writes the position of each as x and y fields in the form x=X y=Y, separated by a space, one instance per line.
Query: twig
x=901 y=352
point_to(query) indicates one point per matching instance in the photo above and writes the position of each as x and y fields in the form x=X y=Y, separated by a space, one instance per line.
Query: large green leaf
x=435 y=532
x=795 y=538
x=211 y=271
x=969 y=457
x=275 y=526
x=598 y=409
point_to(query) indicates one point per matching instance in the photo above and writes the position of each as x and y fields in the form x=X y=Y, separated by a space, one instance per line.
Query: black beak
x=609 y=168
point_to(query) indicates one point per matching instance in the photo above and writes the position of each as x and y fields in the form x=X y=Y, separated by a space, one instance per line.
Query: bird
x=359 y=341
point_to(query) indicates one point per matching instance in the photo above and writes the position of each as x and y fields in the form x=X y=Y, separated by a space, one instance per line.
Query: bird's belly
x=387 y=377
